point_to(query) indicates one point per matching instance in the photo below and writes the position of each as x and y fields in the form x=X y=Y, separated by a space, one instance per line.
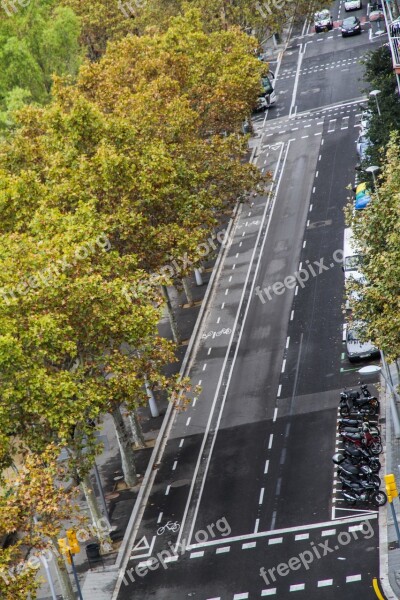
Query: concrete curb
x=162 y=438
x=383 y=513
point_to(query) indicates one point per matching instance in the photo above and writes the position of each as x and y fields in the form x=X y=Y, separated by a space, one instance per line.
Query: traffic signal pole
x=71 y=557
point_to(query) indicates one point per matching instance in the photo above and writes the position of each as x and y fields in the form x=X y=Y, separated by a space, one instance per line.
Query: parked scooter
x=346 y=469
x=362 y=455
x=364 y=438
x=354 y=492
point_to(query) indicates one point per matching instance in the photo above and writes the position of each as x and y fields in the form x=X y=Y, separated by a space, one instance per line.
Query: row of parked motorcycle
x=358 y=464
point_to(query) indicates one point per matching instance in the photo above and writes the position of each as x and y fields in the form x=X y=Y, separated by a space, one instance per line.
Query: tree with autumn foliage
x=34 y=505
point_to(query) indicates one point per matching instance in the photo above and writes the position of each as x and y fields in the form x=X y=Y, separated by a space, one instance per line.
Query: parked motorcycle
x=351 y=401
x=348 y=472
x=354 y=492
x=373 y=429
x=363 y=438
x=360 y=455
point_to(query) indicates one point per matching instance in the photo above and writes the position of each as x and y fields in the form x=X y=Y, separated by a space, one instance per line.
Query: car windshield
x=350 y=21
x=351 y=263
x=322 y=15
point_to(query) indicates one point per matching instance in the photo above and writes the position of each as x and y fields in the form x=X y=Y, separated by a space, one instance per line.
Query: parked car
x=362 y=196
x=352 y=5
x=363 y=144
x=351 y=26
x=356 y=349
x=323 y=21
x=352 y=258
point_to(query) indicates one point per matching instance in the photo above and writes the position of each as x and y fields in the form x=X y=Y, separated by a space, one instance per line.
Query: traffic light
x=391 y=488
x=73 y=542
x=64 y=549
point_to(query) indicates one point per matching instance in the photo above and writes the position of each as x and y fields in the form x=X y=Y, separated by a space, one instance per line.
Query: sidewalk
x=389 y=546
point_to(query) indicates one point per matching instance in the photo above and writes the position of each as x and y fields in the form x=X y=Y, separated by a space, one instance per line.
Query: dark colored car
x=351 y=26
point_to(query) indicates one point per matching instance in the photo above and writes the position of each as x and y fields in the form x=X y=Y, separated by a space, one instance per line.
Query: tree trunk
x=96 y=514
x=67 y=591
x=172 y=319
x=152 y=401
x=188 y=291
x=125 y=447
x=137 y=433
x=199 y=278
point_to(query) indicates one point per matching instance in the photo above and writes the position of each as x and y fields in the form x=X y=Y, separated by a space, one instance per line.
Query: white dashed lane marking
x=297 y=587
x=325 y=582
x=223 y=550
x=197 y=554
x=301 y=536
x=352 y=578
x=277 y=540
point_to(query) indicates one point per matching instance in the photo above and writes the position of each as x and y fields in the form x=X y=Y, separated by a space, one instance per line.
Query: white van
x=352 y=257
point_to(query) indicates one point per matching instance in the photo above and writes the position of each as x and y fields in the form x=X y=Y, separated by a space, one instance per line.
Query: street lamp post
x=375 y=94
x=373 y=369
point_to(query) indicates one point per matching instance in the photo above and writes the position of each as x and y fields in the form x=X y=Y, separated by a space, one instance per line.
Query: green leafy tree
x=377 y=230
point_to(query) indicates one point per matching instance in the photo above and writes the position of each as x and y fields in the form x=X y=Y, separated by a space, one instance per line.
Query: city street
x=247 y=475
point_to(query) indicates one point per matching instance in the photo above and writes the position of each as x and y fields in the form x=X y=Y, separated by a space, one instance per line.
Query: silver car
x=356 y=349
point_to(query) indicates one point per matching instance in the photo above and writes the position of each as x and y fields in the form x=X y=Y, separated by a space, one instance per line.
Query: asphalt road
x=247 y=474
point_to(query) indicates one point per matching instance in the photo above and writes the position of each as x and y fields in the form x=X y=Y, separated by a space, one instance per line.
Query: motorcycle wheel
x=379 y=498
x=344 y=411
x=376 y=448
x=375 y=466
x=372 y=410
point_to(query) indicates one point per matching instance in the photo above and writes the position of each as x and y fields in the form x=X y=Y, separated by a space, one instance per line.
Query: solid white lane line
x=261 y=498
x=271 y=437
x=266 y=218
x=159 y=517
x=266 y=467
